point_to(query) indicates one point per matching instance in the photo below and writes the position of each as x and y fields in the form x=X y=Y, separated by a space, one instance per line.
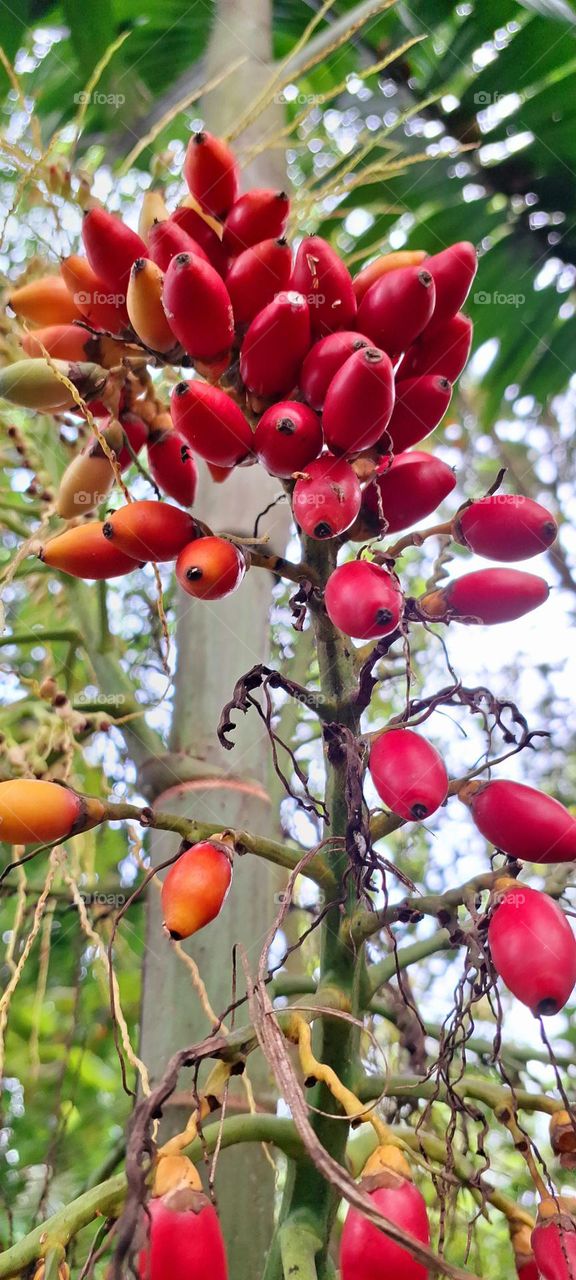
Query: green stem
x=299 y=1245
x=67 y=634
x=384 y=970
x=492 y=1094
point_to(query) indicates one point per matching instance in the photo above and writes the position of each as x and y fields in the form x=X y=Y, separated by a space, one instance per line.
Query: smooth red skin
x=529 y=1272
x=198 y=307
x=444 y=352
x=260 y=214
x=411 y=489
x=355 y=593
x=329 y=494
x=111 y=247
x=223 y=567
x=554 y=1251
x=452 y=271
x=324 y=360
x=408 y=773
x=275 y=346
x=328 y=279
x=150 y=530
x=174 y=474
x=183 y=1245
x=533 y=949
x=524 y=823
x=166 y=239
x=137 y=433
x=84 y=553
x=211 y=422
x=367 y=1254
x=280 y=451
x=203 y=234
x=419 y=406
x=359 y=402
x=256 y=276
x=505 y=527
x=211 y=173
x=397 y=308
x=495 y=595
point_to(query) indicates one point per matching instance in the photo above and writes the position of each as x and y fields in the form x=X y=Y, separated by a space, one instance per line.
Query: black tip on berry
x=323 y=530
x=281 y=242
x=107 y=529
x=138 y=266
x=359 y=344
x=180 y=389
x=183 y=259
x=199 y=138
x=549 y=529
x=547 y=1008
x=286 y=426
x=425 y=278
x=445 y=384
x=194 y=573
x=383 y=616
x=373 y=355
x=418 y=811
x=281 y=195
x=176 y=937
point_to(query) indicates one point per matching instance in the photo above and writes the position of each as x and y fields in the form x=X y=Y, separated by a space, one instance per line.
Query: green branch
x=299 y=1245
x=364 y=924
x=491 y=1094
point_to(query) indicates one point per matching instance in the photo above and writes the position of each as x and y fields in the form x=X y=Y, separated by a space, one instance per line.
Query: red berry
x=359 y=402
x=444 y=352
x=198 y=307
x=324 y=360
x=381 y=266
x=210 y=568
x=523 y=822
x=196 y=886
x=533 y=948
x=320 y=275
x=412 y=487
x=287 y=438
x=409 y=774
x=166 y=239
x=211 y=422
x=554 y=1245
x=82 y=552
x=488 y=596
x=397 y=308
x=211 y=173
x=419 y=406
x=111 y=248
x=183 y=1242
x=505 y=526
x=256 y=276
x=529 y=1271
x=203 y=234
x=452 y=271
x=258 y=215
x=275 y=345
x=363 y=600
x=172 y=466
x=365 y=1252
x=149 y=530
x=326 y=500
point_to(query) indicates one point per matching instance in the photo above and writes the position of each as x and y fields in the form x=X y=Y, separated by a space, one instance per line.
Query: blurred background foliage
x=468 y=134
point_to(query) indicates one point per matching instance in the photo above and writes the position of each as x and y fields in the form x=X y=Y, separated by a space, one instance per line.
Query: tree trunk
x=216 y=644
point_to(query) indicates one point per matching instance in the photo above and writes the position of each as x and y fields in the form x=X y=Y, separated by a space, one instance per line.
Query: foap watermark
x=482 y=298
x=106 y=699
x=89 y=500
x=284 y=899
x=292 y=97
x=98 y=299
x=98 y=99
x=101 y=899
x=482 y=99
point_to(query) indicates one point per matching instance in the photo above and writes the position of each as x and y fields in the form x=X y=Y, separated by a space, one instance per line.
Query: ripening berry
x=256 y=276
x=412 y=488
x=150 y=530
x=523 y=822
x=89 y=477
x=275 y=346
x=321 y=277
x=365 y=1252
x=211 y=422
x=326 y=499
x=44 y=301
x=287 y=438
x=198 y=307
x=324 y=360
x=84 y=553
x=520 y=1234
x=359 y=402
x=185 y=1239
x=172 y=465
x=62 y=341
x=452 y=271
x=419 y=406
x=102 y=307
x=363 y=600
x=210 y=568
x=397 y=308
x=203 y=233
x=111 y=247
x=505 y=526
x=34 y=384
x=381 y=266
x=196 y=887
x=153 y=209
x=488 y=596
x=136 y=434
x=167 y=238
x=33 y=811
x=144 y=303
x=525 y=924
x=554 y=1239
x=409 y=774
x=260 y=214
x=211 y=173
x=445 y=351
